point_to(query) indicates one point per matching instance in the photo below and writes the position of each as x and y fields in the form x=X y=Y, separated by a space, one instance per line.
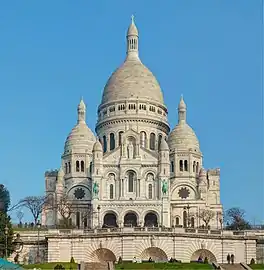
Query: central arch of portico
x=155 y=253
x=202 y=254
x=103 y=255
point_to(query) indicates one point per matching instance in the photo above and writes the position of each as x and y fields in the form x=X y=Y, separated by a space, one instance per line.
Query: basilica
x=135 y=171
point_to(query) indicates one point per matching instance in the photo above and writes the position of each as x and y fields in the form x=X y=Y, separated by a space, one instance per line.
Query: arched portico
x=130 y=219
x=155 y=253
x=103 y=255
x=202 y=254
x=151 y=220
x=110 y=220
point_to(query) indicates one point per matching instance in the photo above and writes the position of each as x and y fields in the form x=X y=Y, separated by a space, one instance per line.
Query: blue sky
x=54 y=52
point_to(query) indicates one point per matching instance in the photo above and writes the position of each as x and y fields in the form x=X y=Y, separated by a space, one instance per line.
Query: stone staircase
x=236 y=266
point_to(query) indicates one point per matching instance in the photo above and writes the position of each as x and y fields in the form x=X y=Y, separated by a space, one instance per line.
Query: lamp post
x=222 y=237
x=38 y=227
x=98 y=209
x=6 y=238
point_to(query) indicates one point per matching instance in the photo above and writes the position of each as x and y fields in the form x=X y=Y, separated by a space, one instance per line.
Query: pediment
x=113 y=156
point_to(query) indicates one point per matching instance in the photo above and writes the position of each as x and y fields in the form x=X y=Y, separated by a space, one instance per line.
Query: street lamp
x=6 y=237
x=221 y=224
x=98 y=209
x=38 y=227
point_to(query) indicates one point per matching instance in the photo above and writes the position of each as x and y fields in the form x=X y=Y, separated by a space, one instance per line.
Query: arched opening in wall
x=177 y=221
x=155 y=253
x=112 y=141
x=91 y=167
x=202 y=254
x=184 y=219
x=104 y=144
x=181 y=165
x=111 y=191
x=197 y=167
x=69 y=167
x=172 y=166
x=120 y=134
x=151 y=220
x=185 y=165
x=159 y=141
x=78 y=219
x=131 y=175
x=82 y=166
x=152 y=141
x=110 y=221
x=192 y=222
x=143 y=139
x=66 y=167
x=194 y=166
x=102 y=255
x=130 y=220
x=150 y=191
x=77 y=166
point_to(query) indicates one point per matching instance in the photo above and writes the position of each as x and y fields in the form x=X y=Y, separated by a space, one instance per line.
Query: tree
x=235 y=219
x=34 y=204
x=5 y=223
x=4 y=198
x=65 y=208
x=20 y=216
x=206 y=216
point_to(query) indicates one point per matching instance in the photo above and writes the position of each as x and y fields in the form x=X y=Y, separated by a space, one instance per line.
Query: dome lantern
x=132 y=41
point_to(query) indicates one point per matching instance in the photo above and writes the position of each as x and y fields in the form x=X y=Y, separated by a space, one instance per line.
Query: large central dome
x=132 y=80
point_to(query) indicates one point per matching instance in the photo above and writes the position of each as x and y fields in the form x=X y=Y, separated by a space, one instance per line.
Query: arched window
x=181 y=165
x=192 y=222
x=112 y=141
x=143 y=139
x=66 y=168
x=177 y=221
x=150 y=191
x=131 y=178
x=194 y=166
x=172 y=166
x=91 y=167
x=184 y=219
x=69 y=167
x=77 y=166
x=159 y=142
x=82 y=166
x=197 y=167
x=111 y=191
x=78 y=219
x=120 y=137
x=104 y=144
x=185 y=165
x=152 y=141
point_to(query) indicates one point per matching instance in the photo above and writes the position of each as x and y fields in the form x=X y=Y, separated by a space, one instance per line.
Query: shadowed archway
x=151 y=220
x=130 y=220
x=202 y=253
x=110 y=221
x=103 y=255
x=155 y=253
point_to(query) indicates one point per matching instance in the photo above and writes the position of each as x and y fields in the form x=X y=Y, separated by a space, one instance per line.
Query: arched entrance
x=155 y=253
x=130 y=220
x=202 y=253
x=103 y=255
x=151 y=220
x=110 y=221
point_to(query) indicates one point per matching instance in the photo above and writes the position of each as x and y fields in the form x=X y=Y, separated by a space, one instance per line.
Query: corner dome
x=81 y=138
x=163 y=145
x=132 y=81
x=183 y=137
x=97 y=146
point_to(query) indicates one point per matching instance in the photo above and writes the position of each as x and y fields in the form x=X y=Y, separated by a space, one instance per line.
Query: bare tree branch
x=206 y=215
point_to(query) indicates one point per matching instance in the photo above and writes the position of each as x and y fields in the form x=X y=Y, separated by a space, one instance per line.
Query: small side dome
x=202 y=172
x=97 y=146
x=163 y=145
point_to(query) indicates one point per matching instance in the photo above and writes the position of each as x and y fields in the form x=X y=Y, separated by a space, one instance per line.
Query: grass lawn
x=163 y=266
x=50 y=266
x=257 y=266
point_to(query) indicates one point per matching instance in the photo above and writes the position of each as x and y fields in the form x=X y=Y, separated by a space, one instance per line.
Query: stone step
x=236 y=266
